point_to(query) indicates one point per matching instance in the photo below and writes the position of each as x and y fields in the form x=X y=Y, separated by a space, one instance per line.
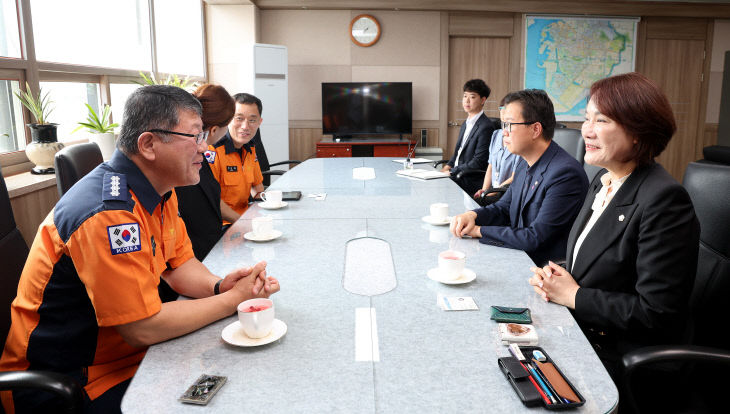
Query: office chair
x=708 y=356
x=266 y=170
x=571 y=140
x=74 y=162
x=13 y=252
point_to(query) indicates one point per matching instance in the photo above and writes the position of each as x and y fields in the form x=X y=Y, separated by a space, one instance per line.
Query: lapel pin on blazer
x=621 y=217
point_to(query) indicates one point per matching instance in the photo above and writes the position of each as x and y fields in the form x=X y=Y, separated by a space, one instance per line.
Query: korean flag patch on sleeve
x=124 y=238
x=210 y=156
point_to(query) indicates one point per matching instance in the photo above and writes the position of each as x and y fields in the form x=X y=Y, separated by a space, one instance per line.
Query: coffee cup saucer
x=234 y=335
x=275 y=234
x=436 y=221
x=270 y=206
x=466 y=276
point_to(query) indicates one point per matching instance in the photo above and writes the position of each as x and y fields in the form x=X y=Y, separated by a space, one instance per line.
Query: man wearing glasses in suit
x=538 y=210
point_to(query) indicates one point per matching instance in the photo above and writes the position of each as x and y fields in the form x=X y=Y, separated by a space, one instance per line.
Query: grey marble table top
x=414 y=356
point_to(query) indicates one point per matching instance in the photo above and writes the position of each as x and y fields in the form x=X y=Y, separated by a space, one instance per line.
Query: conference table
x=389 y=348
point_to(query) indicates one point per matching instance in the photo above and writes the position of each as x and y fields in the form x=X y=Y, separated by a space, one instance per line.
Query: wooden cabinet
x=333 y=150
x=364 y=148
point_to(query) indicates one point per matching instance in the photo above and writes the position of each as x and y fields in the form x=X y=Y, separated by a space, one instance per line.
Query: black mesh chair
x=74 y=162
x=13 y=252
x=266 y=170
x=708 y=356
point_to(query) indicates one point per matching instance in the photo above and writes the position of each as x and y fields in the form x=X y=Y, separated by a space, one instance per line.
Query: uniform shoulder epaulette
x=115 y=187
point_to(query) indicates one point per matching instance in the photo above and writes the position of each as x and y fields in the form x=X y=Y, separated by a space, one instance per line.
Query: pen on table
x=542 y=384
x=537 y=387
x=514 y=349
x=547 y=382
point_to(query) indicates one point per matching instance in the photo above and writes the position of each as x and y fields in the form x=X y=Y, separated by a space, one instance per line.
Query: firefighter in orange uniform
x=88 y=304
x=233 y=159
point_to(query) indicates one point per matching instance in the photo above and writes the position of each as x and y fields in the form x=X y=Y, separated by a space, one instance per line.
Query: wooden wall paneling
x=709 y=137
x=303 y=143
x=31 y=209
x=475 y=57
x=592 y=7
x=675 y=28
x=517 y=53
x=444 y=83
x=481 y=24
x=682 y=83
x=704 y=91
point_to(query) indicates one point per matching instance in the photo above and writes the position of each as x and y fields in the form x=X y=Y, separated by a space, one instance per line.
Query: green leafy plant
x=173 y=80
x=39 y=105
x=97 y=124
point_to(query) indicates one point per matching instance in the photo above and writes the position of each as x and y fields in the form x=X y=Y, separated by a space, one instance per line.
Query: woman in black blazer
x=199 y=205
x=632 y=251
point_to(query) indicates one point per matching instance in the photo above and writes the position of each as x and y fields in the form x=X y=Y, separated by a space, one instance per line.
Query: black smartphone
x=291 y=195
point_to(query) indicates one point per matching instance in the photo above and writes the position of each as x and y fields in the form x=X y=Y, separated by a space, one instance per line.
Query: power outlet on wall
x=424 y=137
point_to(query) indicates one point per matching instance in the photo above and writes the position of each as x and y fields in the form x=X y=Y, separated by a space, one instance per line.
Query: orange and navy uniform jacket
x=237 y=170
x=95 y=263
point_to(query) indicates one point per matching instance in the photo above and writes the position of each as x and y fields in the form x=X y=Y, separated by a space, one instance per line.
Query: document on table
x=414 y=160
x=456 y=303
x=363 y=173
x=423 y=174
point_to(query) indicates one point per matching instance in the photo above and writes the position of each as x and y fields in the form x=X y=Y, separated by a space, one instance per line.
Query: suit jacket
x=637 y=264
x=539 y=221
x=475 y=155
x=199 y=206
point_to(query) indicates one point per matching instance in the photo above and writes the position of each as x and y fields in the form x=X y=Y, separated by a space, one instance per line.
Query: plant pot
x=105 y=142
x=43 y=132
x=44 y=147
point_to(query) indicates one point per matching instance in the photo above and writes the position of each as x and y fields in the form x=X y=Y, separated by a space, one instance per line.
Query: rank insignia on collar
x=124 y=238
x=210 y=156
x=115 y=187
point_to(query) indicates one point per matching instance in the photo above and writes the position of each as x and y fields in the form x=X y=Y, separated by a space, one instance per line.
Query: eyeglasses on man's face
x=507 y=126
x=198 y=137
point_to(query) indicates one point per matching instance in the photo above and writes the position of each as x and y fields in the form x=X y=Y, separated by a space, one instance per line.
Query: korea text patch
x=124 y=238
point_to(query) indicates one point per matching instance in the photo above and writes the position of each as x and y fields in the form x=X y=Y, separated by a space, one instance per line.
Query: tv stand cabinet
x=328 y=148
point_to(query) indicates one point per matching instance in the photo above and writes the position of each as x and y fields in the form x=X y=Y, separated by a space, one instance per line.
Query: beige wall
x=231 y=32
x=720 y=45
x=320 y=50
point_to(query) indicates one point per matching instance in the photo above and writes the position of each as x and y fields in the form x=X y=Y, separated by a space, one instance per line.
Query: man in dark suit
x=538 y=210
x=472 y=148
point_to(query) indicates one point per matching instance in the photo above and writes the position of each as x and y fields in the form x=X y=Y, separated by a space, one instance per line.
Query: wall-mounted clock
x=364 y=30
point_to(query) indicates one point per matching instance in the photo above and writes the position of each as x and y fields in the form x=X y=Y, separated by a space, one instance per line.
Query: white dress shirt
x=603 y=197
x=469 y=126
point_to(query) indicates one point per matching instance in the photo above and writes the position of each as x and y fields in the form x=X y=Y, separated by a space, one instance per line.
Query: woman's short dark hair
x=641 y=108
x=218 y=105
x=536 y=107
x=153 y=107
x=477 y=86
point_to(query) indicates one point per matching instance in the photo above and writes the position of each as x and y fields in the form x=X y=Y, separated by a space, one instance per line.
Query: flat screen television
x=366 y=109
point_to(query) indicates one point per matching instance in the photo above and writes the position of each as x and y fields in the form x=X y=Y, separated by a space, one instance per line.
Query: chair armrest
x=64 y=386
x=435 y=164
x=285 y=162
x=273 y=172
x=468 y=172
x=653 y=354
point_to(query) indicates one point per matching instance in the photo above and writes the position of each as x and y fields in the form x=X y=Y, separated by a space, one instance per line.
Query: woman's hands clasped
x=555 y=284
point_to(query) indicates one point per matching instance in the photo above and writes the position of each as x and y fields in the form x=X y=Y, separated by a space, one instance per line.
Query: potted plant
x=173 y=80
x=42 y=150
x=102 y=131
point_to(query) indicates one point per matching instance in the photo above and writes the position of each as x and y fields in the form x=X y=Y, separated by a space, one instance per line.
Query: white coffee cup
x=272 y=197
x=451 y=264
x=254 y=322
x=262 y=226
x=439 y=211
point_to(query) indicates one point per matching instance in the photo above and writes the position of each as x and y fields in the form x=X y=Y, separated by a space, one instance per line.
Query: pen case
x=510 y=314
x=519 y=379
